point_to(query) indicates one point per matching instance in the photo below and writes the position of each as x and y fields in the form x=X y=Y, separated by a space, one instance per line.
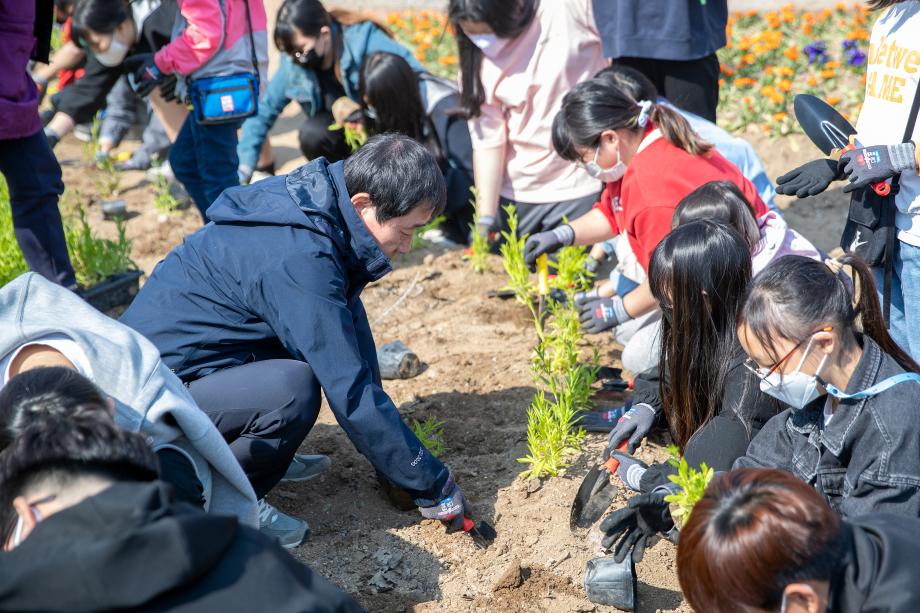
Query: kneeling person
x=260 y=309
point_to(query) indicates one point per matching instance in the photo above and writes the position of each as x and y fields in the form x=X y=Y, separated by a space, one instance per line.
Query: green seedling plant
x=96 y=259
x=108 y=181
x=355 y=135
x=163 y=200
x=571 y=276
x=519 y=279
x=545 y=441
x=417 y=237
x=692 y=485
x=90 y=148
x=431 y=433
x=479 y=245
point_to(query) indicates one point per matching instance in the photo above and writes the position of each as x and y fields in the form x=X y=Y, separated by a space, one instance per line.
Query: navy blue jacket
x=661 y=29
x=278 y=274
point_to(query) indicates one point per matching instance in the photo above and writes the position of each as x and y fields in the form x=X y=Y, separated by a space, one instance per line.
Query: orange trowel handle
x=612 y=464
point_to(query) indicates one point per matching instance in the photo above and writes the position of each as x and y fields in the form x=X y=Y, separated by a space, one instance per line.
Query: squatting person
x=260 y=309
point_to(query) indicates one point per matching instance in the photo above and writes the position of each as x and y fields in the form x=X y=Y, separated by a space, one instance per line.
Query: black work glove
x=644 y=517
x=168 y=88
x=451 y=509
x=145 y=72
x=602 y=314
x=634 y=425
x=875 y=164
x=809 y=179
x=547 y=242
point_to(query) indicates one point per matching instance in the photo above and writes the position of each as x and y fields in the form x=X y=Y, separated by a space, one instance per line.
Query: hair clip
x=646 y=106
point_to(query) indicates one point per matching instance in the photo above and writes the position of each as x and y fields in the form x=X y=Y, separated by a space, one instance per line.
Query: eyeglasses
x=755 y=368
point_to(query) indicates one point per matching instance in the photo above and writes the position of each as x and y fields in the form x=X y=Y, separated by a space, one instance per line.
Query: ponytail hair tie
x=646 y=106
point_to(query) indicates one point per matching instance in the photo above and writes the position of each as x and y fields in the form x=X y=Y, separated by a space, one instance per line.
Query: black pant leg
x=316 y=139
x=693 y=85
x=34 y=179
x=651 y=69
x=264 y=410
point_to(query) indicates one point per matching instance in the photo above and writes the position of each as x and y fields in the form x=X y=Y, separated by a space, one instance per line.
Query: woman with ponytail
x=518 y=58
x=650 y=159
x=853 y=429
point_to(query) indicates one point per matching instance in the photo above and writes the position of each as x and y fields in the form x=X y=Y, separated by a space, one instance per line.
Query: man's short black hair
x=398 y=173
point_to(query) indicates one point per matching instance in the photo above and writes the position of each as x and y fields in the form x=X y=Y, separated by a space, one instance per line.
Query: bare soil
x=477 y=381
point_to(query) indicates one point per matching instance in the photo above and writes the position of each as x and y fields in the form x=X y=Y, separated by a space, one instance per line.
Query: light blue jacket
x=149 y=398
x=294 y=82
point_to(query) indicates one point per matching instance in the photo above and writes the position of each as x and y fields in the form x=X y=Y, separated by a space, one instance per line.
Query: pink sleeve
x=199 y=41
x=489 y=129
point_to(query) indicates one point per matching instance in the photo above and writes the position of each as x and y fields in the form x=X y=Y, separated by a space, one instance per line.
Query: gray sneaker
x=305 y=467
x=288 y=531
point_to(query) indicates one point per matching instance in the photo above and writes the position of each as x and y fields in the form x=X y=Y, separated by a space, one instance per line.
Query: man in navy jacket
x=260 y=308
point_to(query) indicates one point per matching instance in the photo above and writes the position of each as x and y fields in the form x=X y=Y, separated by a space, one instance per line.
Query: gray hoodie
x=149 y=398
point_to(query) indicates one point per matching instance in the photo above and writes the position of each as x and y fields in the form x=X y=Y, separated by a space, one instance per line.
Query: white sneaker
x=288 y=531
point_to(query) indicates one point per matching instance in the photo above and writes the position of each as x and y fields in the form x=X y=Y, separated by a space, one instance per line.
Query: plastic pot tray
x=116 y=291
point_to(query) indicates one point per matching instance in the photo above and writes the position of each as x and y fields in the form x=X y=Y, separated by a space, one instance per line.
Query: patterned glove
x=450 y=509
x=631 y=528
x=635 y=425
x=602 y=314
x=869 y=165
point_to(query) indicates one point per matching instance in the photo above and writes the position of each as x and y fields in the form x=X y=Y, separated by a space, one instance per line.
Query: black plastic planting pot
x=116 y=291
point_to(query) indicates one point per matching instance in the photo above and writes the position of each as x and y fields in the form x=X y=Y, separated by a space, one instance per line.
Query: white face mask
x=114 y=55
x=490 y=45
x=795 y=389
x=607 y=175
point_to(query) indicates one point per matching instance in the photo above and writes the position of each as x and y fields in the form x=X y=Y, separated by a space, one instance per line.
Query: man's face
x=394 y=235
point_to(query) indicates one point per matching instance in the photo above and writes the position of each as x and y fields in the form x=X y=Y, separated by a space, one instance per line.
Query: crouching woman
x=762 y=540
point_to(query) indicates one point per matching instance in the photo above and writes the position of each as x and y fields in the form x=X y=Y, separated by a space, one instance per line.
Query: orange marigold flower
x=744 y=82
x=780 y=116
x=786 y=71
x=777 y=98
x=792 y=53
x=841 y=6
x=721 y=82
x=808 y=29
x=812 y=81
x=833 y=100
x=785 y=85
x=828 y=74
x=728 y=71
x=448 y=60
x=832 y=65
x=748 y=58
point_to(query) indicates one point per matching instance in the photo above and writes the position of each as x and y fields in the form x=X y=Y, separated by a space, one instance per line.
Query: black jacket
x=878 y=571
x=87 y=95
x=867 y=458
x=131 y=548
x=743 y=412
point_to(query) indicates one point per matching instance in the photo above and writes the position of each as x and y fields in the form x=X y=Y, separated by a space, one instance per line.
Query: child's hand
x=868 y=165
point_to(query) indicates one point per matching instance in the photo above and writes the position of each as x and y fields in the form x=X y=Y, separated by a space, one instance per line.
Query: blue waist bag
x=224 y=98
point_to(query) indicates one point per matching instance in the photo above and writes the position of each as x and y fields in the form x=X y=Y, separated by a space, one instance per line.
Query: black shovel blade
x=826 y=128
x=482 y=534
x=593 y=498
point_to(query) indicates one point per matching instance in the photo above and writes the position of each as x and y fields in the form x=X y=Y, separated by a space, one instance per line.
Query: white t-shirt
x=61 y=342
x=892 y=75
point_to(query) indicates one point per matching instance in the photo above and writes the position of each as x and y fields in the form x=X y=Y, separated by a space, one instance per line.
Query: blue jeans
x=204 y=160
x=34 y=179
x=904 y=324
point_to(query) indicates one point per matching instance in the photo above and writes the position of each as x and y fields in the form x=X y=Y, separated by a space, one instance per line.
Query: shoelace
x=267 y=513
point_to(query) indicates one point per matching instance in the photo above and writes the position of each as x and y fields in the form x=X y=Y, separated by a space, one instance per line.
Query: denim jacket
x=293 y=82
x=867 y=458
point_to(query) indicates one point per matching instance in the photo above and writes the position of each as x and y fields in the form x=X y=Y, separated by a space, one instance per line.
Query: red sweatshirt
x=642 y=203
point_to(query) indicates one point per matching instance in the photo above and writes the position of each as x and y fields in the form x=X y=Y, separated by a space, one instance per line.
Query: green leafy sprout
x=692 y=482
x=417 y=237
x=431 y=433
x=479 y=245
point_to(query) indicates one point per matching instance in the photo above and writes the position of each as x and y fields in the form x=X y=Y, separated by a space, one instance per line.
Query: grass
x=431 y=433
x=479 y=246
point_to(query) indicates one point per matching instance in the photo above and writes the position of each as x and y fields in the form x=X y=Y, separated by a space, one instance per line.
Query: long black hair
x=53 y=393
x=724 y=202
x=99 y=16
x=506 y=18
x=60 y=449
x=795 y=295
x=389 y=85
x=598 y=104
x=699 y=274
